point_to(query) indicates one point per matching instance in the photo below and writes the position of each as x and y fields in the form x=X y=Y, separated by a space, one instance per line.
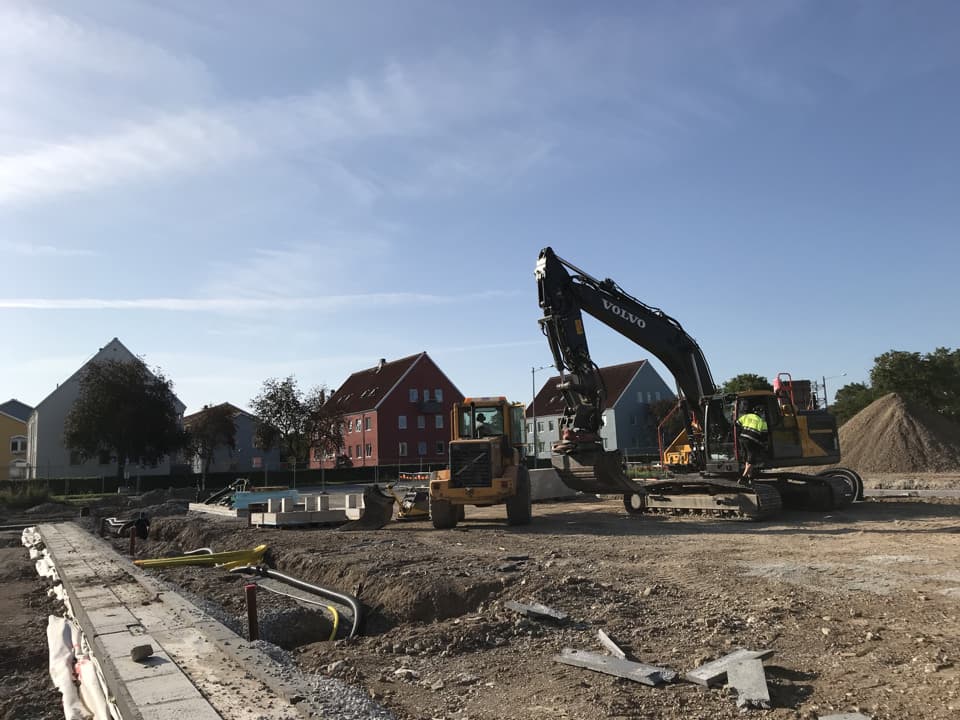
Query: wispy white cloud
x=450 y=109
x=28 y=249
x=329 y=303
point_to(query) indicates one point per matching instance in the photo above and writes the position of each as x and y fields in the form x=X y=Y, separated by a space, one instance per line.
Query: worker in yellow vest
x=752 y=433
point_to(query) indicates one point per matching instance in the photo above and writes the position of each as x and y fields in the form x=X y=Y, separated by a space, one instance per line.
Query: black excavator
x=705 y=459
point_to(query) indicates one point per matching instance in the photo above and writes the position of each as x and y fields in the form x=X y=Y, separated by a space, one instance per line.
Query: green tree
x=746 y=381
x=212 y=428
x=126 y=412
x=293 y=421
x=928 y=379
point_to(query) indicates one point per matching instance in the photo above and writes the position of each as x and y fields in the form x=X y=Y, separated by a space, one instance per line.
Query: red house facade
x=395 y=413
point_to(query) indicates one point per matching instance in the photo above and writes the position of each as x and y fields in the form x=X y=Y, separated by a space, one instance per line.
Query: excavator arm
x=563 y=298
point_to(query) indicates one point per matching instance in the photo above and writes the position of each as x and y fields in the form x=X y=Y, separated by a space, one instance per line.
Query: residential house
x=13 y=439
x=395 y=413
x=48 y=457
x=627 y=423
x=246 y=456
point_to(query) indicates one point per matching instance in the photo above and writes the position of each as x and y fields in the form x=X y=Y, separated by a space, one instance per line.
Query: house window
x=421 y=422
x=369 y=450
x=604 y=443
x=18 y=444
x=358 y=425
x=530 y=449
x=358 y=452
x=529 y=428
x=317 y=454
x=639 y=396
x=656 y=395
x=649 y=396
x=426 y=394
x=539 y=427
x=633 y=419
x=421 y=448
x=367 y=423
x=349 y=426
x=402 y=451
x=402 y=422
x=439 y=421
x=440 y=448
x=438 y=395
x=550 y=425
x=350 y=451
x=413 y=395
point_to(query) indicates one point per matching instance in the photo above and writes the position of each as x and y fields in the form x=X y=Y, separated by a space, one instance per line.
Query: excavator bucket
x=595 y=470
x=377 y=510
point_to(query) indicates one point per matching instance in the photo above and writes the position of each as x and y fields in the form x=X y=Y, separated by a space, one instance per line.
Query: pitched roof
x=549 y=401
x=364 y=389
x=16 y=409
x=192 y=416
x=113 y=350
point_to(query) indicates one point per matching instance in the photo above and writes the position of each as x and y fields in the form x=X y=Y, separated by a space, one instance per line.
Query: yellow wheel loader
x=486 y=464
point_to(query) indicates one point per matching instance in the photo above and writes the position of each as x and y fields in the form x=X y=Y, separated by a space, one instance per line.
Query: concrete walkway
x=200 y=669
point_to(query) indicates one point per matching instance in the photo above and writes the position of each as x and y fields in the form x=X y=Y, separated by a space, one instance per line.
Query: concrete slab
x=750 y=680
x=545 y=484
x=638 y=672
x=844 y=716
x=714 y=673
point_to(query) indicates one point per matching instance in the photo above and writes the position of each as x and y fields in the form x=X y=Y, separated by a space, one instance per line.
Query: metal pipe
x=349 y=600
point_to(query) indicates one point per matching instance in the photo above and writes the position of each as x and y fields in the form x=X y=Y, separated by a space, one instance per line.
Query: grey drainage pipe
x=343 y=598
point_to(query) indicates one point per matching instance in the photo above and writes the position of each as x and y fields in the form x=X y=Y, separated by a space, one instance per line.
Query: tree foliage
x=746 y=381
x=850 y=400
x=295 y=421
x=124 y=411
x=212 y=428
x=931 y=380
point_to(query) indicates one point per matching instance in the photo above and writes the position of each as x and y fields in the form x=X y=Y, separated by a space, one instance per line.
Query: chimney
x=383 y=361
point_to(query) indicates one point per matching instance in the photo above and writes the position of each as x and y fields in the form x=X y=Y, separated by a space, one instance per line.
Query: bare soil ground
x=860 y=607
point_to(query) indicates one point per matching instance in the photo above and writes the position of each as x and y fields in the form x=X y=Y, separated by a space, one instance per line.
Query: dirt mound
x=891 y=436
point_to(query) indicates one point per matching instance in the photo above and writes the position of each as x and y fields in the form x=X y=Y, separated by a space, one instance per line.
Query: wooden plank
x=750 y=680
x=638 y=672
x=715 y=672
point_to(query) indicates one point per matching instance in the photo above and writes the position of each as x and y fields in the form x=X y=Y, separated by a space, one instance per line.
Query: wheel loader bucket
x=377 y=510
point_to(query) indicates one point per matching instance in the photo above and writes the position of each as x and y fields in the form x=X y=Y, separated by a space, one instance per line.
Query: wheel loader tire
x=519 y=507
x=443 y=514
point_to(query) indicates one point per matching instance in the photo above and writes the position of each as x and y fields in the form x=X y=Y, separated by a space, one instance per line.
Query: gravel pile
x=891 y=436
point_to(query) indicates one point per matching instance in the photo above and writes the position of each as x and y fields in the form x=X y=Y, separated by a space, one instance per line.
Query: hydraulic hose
x=344 y=598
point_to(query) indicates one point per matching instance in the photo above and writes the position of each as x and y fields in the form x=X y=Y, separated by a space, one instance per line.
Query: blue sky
x=241 y=190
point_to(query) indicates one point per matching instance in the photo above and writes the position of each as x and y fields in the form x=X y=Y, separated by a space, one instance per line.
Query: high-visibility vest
x=752 y=427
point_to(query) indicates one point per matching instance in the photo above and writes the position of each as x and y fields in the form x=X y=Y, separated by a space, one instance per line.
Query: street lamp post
x=826 y=404
x=533 y=406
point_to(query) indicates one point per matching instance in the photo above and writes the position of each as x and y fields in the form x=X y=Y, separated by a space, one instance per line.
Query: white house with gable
x=48 y=457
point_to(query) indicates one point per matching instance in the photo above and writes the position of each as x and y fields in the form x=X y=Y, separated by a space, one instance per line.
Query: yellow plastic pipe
x=222 y=558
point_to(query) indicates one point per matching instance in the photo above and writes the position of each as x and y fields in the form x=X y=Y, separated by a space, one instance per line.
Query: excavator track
x=706 y=497
x=820 y=493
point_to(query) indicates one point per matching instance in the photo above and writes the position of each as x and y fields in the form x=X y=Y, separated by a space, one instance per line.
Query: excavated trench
x=393 y=593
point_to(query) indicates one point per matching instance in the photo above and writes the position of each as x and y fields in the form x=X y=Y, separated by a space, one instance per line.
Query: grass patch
x=25 y=497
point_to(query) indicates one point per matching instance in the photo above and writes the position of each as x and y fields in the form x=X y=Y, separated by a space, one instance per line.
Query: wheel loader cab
x=485 y=462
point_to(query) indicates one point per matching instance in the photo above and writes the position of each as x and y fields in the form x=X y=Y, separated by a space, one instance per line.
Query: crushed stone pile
x=893 y=436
